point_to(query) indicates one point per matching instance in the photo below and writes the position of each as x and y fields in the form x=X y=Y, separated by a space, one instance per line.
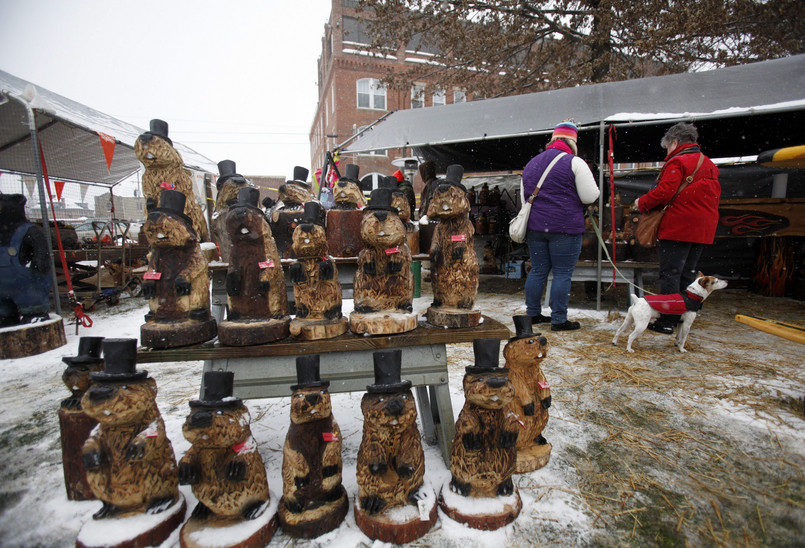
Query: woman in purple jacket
x=556 y=224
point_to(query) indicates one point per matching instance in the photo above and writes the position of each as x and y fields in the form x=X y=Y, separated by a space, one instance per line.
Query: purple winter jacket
x=557 y=207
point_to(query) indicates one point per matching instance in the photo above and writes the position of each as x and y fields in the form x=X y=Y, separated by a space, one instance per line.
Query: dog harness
x=676 y=303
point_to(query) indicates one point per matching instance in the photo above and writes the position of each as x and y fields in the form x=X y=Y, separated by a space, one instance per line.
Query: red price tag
x=240 y=447
x=543 y=385
x=152 y=275
x=329 y=436
x=392 y=250
x=167 y=186
x=458 y=238
x=266 y=264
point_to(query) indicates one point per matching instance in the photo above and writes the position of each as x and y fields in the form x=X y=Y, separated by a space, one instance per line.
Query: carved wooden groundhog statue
x=313 y=500
x=129 y=460
x=228 y=186
x=532 y=394
x=164 y=170
x=286 y=213
x=257 y=301
x=75 y=426
x=391 y=462
x=383 y=284
x=454 y=264
x=343 y=225
x=400 y=201
x=177 y=283
x=316 y=288
x=223 y=465
x=484 y=452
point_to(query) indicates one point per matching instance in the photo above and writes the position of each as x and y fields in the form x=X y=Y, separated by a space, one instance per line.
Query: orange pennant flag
x=108 y=146
x=59 y=187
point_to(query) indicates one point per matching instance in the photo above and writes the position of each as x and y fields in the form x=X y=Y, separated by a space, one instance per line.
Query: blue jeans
x=551 y=251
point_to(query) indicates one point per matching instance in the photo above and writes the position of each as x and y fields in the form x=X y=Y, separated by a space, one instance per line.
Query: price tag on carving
x=329 y=436
x=266 y=264
x=543 y=385
x=392 y=250
x=152 y=275
x=167 y=186
x=458 y=238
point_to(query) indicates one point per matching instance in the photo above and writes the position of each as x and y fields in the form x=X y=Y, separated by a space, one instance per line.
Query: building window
x=438 y=97
x=459 y=96
x=371 y=94
x=417 y=96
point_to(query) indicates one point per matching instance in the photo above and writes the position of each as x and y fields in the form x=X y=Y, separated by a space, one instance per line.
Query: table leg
x=425 y=414
x=447 y=427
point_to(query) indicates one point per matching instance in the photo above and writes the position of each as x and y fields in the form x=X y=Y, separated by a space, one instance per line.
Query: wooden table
x=268 y=371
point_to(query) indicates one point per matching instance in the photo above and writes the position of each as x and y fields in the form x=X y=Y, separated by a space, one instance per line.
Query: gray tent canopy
x=741 y=110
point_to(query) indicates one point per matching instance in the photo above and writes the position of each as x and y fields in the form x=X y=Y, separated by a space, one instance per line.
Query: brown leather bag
x=649 y=224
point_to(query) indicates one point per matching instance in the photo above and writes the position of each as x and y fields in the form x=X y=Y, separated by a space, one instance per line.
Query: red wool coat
x=693 y=215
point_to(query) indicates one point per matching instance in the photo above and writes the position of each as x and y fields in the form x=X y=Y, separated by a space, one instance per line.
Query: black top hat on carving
x=300 y=176
x=89 y=352
x=307 y=373
x=119 y=362
x=351 y=172
x=226 y=171
x=380 y=198
x=453 y=176
x=248 y=196
x=523 y=328
x=387 y=373
x=487 y=357
x=312 y=213
x=217 y=390
x=12 y=205
x=172 y=202
x=159 y=128
x=391 y=182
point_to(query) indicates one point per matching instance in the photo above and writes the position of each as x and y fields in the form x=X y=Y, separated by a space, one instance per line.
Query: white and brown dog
x=687 y=304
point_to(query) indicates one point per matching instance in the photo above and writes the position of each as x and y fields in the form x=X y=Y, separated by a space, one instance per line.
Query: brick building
x=351 y=96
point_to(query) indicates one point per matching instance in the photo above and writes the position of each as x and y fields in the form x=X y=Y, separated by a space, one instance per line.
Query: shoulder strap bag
x=519 y=225
x=649 y=224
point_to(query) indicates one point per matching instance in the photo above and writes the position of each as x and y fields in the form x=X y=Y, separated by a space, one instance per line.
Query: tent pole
x=601 y=141
x=43 y=207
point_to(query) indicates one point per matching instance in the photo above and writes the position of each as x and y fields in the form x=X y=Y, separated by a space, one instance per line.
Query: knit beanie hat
x=566 y=130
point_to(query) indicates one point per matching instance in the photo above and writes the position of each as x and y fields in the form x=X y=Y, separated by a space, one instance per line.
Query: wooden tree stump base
x=75 y=427
x=497 y=512
x=136 y=531
x=312 y=330
x=231 y=533
x=412 y=237
x=172 y=335
x=532 y=458
x=401 y=524
x=316 y=522
x=382 y=323
x=232 y=333
x=452 y=317
x=30 y=339
x=344 y=232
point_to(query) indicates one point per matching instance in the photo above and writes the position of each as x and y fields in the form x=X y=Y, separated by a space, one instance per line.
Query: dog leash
x=609 y=258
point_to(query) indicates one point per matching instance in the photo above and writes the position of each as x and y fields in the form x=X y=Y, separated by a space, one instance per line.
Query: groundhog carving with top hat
x=347 y=193
x=532 y=394
x=228 y=185
x=286 y=213
x=129 y=460
x=177 y=283
x=313 y=501
x=164 y=170
x=223 y=465
x=76 y=376
x=454 y=263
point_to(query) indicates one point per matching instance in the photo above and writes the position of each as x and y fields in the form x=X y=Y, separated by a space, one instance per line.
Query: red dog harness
x=676 y=303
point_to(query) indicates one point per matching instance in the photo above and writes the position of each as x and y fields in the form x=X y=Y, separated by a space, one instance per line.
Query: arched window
x=371 y=94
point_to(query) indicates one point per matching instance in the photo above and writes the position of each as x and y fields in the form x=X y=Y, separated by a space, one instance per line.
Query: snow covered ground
x=655 y=447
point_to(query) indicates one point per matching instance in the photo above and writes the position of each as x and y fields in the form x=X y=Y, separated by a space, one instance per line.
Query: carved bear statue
x=177 y=283
x=532 y=394
x=223 y=465
x=228 y=186
x=164 y=170
x=129 y=460
x=25 y=279
x=257 y=302
x=316 y=289
x=454 y=263
x=313 y=501
x=383 y=284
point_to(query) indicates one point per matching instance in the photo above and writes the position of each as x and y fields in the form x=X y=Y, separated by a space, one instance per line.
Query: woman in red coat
x=690 y=221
